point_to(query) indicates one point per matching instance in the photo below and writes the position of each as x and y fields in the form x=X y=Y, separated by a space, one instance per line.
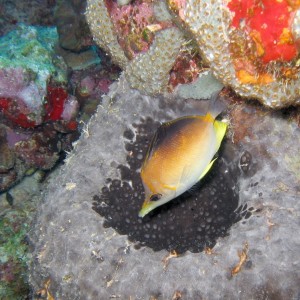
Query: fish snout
x=146 y=208
x=149 y=204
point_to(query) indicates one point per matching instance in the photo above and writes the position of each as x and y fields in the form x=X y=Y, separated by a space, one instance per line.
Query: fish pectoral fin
x=207 y=169
x=170 y=187
x=220 y=129
x=185 y=175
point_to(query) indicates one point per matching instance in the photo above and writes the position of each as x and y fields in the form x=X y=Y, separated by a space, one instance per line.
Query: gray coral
x=85 y=260
x=103 y=32
x=150 y=71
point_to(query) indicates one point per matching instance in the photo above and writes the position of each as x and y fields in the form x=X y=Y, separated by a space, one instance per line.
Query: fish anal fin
x=220 y=129
x=207 y=169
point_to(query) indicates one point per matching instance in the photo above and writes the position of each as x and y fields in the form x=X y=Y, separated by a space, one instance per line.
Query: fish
x=180 y=154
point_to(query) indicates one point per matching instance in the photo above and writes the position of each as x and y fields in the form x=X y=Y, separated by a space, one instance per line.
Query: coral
x=267 y=25
x=33 y=148
x=38 y=114
x=241 y=51
x=23 y=107
x=161 y=54
x=131 y=24
x=250 y=46
x=32 y=49
x=21 y=100
x=60 y=105
x=103 y=32
x=142 y=39
x=26 y=65
x=17 y=211
x=73 y=245
x=40 y=150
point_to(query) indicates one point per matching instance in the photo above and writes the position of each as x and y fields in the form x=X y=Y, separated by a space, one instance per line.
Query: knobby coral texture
x=251 y=46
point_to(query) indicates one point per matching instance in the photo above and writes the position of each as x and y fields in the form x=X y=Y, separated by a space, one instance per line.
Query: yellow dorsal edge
x=220 y=129
x=208 y=118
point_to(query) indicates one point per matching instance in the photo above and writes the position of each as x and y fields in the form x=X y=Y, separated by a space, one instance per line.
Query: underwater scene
x=149 y=149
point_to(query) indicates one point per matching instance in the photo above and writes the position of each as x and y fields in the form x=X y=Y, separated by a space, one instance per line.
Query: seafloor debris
x=177 y=295
x=44 y=292
x=166 y=259
x=243 y=257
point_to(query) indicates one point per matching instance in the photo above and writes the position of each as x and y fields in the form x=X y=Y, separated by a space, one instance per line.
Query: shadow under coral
x=191 y=222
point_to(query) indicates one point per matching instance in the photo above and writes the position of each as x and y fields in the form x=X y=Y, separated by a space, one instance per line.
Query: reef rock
x=88 y=242
x=32 y=95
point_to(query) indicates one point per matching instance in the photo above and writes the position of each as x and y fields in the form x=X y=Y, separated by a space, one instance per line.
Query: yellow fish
x=180 y=154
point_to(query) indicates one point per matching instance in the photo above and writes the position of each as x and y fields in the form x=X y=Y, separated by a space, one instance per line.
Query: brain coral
x=250 y=46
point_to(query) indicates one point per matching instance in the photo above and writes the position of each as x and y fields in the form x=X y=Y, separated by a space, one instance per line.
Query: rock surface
x=75 y=257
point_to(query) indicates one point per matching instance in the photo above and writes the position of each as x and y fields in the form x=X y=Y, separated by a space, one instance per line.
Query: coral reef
x=257 y=257
x=13 y=256
x=40 y=119
x=161 y=54
x=32 y=48
x=252 y=47
x=37 y=111
x=98 y=17
x=242 y=57
x=144 y=41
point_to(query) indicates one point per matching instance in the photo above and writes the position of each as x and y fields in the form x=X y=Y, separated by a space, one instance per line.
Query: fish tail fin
x=216 y=105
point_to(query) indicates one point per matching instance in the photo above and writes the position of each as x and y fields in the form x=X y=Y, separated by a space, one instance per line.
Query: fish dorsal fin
x=165 y=132
x=207 y=169
x=207 y=118
x=220 y=129
x=156 y=141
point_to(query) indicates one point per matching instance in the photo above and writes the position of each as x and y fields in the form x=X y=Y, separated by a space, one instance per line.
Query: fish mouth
x=144 y=211
x=146 y=208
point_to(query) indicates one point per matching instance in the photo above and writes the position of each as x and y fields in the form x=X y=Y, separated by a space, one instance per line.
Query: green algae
x=14 y=255
x=32 y=48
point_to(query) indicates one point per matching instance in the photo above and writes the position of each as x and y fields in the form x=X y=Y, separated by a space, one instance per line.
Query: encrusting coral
x=252 y=47
x=249 y=47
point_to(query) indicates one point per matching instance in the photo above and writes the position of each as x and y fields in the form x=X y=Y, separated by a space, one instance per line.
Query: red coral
x=12 y=111
x=267 y=22
x=56 y=98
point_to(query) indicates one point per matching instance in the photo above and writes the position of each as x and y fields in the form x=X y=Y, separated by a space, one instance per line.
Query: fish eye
x=155 y=197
